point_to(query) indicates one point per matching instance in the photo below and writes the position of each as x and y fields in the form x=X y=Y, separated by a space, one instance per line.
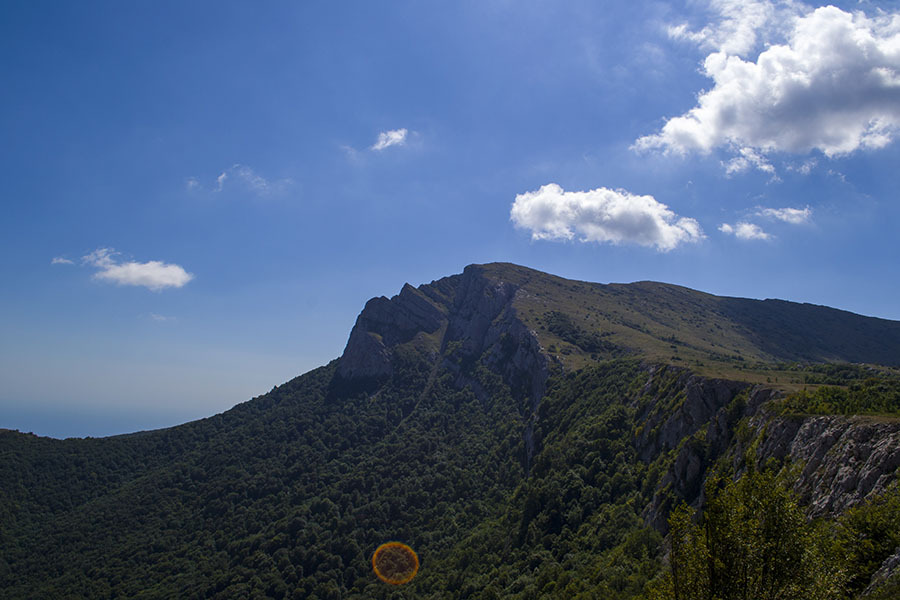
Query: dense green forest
x=517 y=463
x=269 y=500
x=288 y=495
x=869 y=394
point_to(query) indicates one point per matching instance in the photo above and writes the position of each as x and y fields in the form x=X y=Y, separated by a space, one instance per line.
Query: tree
x=753 y=543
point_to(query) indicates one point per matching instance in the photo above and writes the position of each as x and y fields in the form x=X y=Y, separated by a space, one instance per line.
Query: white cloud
x=242 y=176
x=254 y=181
x=220 y=180
x=602 y=215
x=161 y=318
x=744 y=231
x=386 y=139
x=794 y=216
x=740 y=26
x=805 y=167
x=748 y=158
x=351 y=152
x=59 y=260
x=154 y=275
x=832 y=85
x=840 y=176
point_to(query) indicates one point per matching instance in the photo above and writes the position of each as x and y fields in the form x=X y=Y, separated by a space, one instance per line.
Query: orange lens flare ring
x=395 y=563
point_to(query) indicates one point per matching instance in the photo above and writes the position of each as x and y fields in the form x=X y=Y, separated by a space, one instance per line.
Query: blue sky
x=198 y=198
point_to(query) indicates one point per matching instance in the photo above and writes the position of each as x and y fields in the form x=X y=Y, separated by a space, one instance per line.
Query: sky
x=198 y=198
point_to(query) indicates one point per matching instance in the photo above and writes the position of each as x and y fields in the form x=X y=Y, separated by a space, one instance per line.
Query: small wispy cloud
x=154 y=275
x=59 y=260
x=220 y=180
x=242 y=177
x=161 y=318
x=837 y=174
x=748 y=157
x=794 y=216
x=386 y=139
x=251 y=180
x=352 y=153
x=739 y=26
x=804 y=168
x=744 y=231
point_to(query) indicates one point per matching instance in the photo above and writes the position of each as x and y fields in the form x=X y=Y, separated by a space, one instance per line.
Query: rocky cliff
x=843 y=460
x=686 y=423
x=840 y=461
x=459 y=323
x=385 y=324
x=469 y=317
x=837 y=462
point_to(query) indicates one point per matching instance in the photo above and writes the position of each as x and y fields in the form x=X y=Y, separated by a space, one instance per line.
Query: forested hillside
x=528 y=436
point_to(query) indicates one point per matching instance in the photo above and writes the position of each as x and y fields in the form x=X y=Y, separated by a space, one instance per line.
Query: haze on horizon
x=199 y=199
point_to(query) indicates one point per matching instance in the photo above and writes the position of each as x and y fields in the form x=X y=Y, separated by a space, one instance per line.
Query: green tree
x=753 y=543
x=866 y=535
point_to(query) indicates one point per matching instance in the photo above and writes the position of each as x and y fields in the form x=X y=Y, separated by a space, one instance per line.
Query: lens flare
x=395 y=563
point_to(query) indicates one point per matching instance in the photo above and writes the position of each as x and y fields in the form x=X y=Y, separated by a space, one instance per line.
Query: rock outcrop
x=476 y=313
x=840 y=461
x=461 y=321
x=844 y=460
x=382 y=325
x=698 y=427
x=695 y=402
x=889 y=569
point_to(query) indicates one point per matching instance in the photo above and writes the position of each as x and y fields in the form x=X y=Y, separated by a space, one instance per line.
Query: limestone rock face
x=365 y=356
x=703 y=398
x=845 y=459
x=841 y=461
x=382 y=325
x=889 y=568
x=701 y=430
x=472 y=311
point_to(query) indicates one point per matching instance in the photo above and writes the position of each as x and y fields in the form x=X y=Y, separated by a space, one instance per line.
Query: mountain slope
x=576 y=323
x=649 y=318
x=521 y=431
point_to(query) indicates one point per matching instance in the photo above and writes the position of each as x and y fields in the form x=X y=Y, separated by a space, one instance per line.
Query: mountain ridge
x=769 y=330
x=527 y=434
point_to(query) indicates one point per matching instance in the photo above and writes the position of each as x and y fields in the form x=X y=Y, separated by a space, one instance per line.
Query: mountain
x=527 y=435
x=576 y=322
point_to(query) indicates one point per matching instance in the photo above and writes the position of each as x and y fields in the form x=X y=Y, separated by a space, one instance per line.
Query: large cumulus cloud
x=602 y=215
x=832 y=85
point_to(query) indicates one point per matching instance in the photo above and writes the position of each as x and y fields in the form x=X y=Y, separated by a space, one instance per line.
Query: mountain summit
x=573 y=322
